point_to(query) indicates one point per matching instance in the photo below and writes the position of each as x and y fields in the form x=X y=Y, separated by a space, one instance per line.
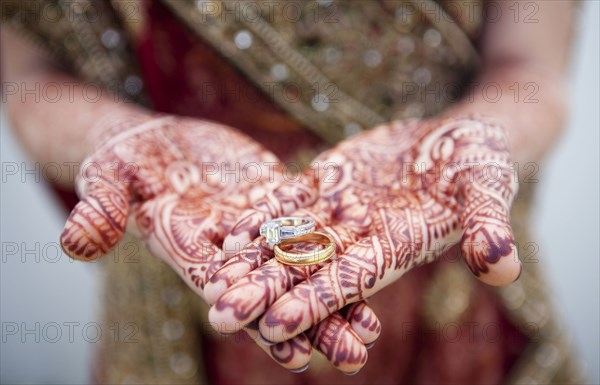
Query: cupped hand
x=179 y=184
x=392 y=198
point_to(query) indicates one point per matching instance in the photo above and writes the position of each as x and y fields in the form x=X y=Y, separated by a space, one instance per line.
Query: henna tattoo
x=257 y=280
x=293 y=354
x=98 y=222
x=287 y=351
x=339 y=343
x=363 y=321
x=155 y=174
x=406 y=192
x=252 y=256
x=259 y=289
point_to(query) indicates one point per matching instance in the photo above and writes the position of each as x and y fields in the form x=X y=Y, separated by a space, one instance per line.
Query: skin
x=161 y=178
x=387 y=217
x=171 y=189
x=369 y=218
x=403 y=193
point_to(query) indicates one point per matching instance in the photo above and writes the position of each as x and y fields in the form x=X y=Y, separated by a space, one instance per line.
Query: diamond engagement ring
x=279 y=229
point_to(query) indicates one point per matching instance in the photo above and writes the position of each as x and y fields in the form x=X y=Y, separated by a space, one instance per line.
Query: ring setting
x=277 y=230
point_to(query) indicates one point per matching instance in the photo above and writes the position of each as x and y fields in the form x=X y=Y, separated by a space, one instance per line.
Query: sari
x=299 y=77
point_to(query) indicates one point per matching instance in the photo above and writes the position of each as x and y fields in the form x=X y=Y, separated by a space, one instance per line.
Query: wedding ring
x=309 y=257
x=282 y=228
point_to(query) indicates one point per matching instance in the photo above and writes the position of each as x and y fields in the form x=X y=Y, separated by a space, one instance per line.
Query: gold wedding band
x=305 y=258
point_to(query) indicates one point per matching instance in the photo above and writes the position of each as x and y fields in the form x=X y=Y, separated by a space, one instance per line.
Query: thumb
x=488 y=243
x=98 y=221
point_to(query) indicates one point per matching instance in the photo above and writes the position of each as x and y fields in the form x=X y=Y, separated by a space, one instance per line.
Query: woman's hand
x=179 y=184
x=392 y=198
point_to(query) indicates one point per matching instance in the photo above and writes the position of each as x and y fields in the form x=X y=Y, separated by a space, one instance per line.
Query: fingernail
x=300 y=370
x=264 y=340
x=351 y=373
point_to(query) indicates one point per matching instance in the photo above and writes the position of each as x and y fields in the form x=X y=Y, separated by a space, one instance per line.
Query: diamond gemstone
x=272 y=233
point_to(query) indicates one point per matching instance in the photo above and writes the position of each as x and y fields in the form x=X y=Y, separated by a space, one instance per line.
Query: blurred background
x=49 y=305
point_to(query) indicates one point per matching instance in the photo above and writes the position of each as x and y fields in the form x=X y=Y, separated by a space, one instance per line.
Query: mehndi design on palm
x=398 y=196
x=177 y=184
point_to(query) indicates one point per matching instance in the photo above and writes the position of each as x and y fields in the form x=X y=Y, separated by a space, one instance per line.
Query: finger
x=254 y=291
x=249 y=297
x=339 y=343
x=254 y=254
x=293 y=354
x=340 y=346
x=407 y=228
x=488 y=187
x=334 y=337
x=98 y=221
x=363 y=321
x=487 y=243
x=351 y=277
x=183 y=233
x=282 y=200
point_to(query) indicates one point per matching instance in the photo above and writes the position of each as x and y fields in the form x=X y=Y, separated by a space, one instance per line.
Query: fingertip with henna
x=213 y=289
x=503 y=272
x=243 y=232
x=89 y=234
x=223 y=320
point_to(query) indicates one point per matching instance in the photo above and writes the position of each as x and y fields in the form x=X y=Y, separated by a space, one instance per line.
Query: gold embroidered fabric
x=340 y=67
x=85 y=36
